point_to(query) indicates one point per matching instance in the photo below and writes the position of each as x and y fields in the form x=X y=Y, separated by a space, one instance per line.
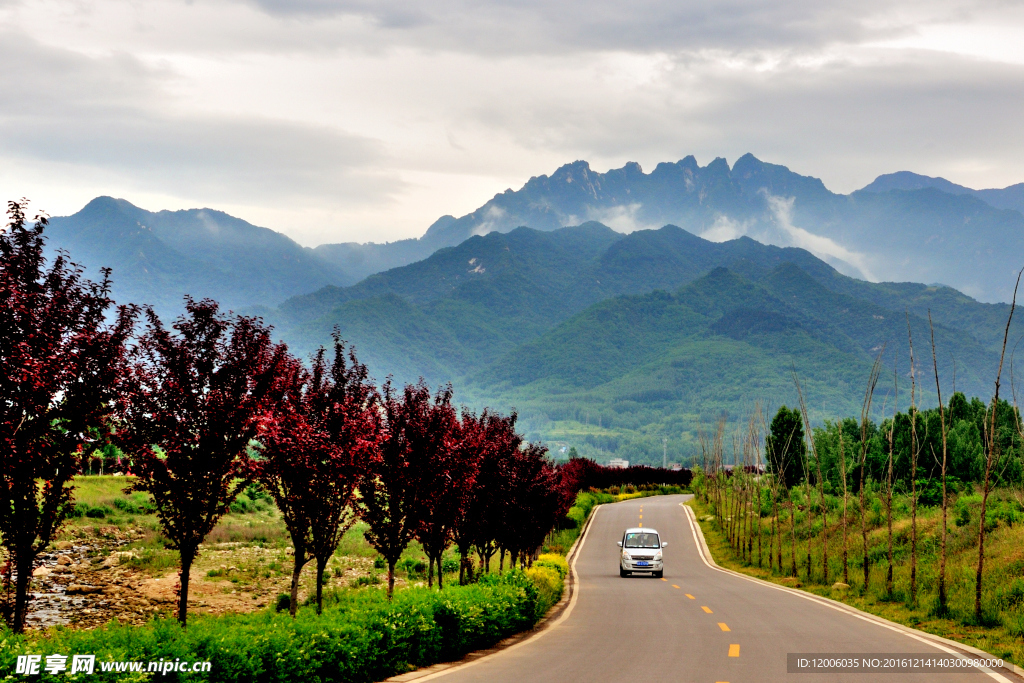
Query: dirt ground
x=97 y=575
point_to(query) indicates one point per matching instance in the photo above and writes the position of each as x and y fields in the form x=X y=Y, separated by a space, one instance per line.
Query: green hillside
x=661 y=365
x=612 y=342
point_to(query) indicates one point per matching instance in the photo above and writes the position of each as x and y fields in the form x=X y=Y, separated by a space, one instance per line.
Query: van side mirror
x=618 y=543
x=664 y=544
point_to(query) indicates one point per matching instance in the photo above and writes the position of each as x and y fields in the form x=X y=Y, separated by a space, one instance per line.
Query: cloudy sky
x=355 y=120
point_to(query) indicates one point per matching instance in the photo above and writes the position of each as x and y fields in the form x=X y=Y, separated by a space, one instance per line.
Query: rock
x=41 y=571
x=64 y=560
x=79 y=589
x=840 y=586
x=63 y=545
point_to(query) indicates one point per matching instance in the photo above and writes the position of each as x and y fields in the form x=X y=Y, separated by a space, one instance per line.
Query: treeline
x=967 y=442
x=791 y=473
x=207 y=406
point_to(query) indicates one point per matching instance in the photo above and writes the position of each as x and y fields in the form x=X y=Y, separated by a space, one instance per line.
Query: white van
x=641 y=552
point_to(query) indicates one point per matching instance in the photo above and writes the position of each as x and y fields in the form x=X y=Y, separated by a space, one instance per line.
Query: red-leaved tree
x=316 y=444
x=532 y=502
x=471 y=449
x=392 y=496
x=59 y=364
x=446 y=480
x=189 y=410
x=490 y=440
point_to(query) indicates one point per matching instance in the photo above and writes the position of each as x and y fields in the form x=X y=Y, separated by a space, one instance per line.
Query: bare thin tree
x=945 y=507
x=865 y=417
x=888 y=472
x=990 y=458
x=913 y=467
x=846 y=498
x=821 y=487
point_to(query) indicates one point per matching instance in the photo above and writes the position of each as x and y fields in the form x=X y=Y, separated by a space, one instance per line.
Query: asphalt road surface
x=698 y=624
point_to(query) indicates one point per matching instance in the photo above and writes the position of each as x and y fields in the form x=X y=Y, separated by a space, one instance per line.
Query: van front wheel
x=623 y=573
x=660 y=574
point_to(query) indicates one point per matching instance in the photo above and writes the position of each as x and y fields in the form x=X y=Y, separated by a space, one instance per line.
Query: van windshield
x=642 y=540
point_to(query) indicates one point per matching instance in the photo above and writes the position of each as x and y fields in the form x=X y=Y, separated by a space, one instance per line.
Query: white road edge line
x=540 y=634
x=702 y=546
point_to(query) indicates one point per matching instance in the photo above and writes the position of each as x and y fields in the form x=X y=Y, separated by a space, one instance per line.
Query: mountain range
x=901 y=227
x=611 y=342
x=159 y=257
x=671 y=297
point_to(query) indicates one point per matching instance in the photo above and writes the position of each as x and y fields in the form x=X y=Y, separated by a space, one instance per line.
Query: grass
x=1001 y=628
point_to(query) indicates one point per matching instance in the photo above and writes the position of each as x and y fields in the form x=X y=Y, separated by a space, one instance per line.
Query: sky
x=353 y=120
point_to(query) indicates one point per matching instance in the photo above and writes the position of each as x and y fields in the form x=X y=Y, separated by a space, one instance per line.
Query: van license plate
x=643 y=564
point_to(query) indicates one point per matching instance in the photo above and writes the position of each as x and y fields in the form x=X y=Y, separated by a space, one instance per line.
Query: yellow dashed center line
x=664 y=579
x=641 y=516
x=706 y=609
x=723 y=627
x=690 y=596
x=675 y=586
x=734 y=650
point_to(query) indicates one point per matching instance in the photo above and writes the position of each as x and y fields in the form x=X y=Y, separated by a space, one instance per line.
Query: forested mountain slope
x=611 y=341
x=902 y=227
x=158 y=257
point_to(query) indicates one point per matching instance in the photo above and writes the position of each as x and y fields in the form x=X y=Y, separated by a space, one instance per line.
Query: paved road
x=699 y=624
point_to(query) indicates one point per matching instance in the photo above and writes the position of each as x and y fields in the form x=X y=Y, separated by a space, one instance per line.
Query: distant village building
x=618 y=463
x=675 y=467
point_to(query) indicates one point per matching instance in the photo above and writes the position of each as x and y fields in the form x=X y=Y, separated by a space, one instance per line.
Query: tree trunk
x=440 y=571
x=391 y=579
x=864 y=526
x=888 y=514
x=298 y=564
x=430 y=571
x=810 y=527
x=792 y=519
x=981 y=553
x=321 y=565
x=187 y=558
x=913 y=536
x=846 y=544
x=24 y=562
x=824 y=530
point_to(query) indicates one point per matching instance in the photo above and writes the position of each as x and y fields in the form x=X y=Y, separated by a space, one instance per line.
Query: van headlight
x=657 y=556
x=626 y=556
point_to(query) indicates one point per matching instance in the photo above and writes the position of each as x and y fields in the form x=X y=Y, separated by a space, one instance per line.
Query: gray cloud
x=846 y=122
x=380 y=116
x=110 y=115
x=645 y=25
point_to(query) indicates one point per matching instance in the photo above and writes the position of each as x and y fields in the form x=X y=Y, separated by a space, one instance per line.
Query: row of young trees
x=926 y=454
x=212 y=404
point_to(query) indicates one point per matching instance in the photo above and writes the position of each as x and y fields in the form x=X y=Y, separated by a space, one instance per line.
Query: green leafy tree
x=786 y=448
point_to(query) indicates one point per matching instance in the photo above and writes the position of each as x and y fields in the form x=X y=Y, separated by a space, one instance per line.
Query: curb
x=558 y=613
x=937 y=641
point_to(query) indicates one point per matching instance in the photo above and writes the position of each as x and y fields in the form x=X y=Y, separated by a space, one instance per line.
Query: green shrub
x=549 y=586
x=136 y=504
x=575 y=518
x=449 y=564
x=371 y=580
x=412 y=566
x=556 y=562
x=99 y=511
x=361 y=636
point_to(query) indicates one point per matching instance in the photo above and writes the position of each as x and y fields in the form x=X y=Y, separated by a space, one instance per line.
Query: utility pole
x=664 y=453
